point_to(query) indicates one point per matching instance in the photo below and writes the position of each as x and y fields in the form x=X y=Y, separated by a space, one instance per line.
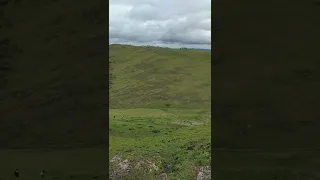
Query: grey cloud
x=144 y=12
x=163 y=23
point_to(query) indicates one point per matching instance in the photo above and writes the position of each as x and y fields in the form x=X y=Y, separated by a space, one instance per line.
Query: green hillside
x=153 y=77
x=164 y=97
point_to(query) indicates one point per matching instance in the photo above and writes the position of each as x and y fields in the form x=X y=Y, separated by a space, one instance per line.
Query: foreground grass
x=176 y=141
x=78 y=164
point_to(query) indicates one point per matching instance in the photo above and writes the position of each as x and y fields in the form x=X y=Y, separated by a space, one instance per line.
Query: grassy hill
x=164 y=96
x=153 y=77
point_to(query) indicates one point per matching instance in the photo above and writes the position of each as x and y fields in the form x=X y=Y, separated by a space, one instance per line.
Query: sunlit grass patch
x=175 y=148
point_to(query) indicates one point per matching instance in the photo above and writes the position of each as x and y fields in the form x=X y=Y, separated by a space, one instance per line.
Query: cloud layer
x=171 y=23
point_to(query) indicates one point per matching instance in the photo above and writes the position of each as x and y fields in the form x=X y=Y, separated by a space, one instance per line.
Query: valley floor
x=174 y=143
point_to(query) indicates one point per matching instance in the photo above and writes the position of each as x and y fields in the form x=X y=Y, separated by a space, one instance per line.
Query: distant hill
x=201 y=49
x=159 y=77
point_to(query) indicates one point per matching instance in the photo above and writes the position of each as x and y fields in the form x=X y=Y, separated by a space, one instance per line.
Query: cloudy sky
x=171 y=23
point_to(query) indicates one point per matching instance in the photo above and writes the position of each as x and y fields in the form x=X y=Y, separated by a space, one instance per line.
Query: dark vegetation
x=266 y=84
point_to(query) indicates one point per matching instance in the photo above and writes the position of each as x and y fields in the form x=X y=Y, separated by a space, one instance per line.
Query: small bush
x=156 y=131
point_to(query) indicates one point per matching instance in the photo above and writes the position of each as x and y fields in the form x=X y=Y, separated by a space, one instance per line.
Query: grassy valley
x=164 y=97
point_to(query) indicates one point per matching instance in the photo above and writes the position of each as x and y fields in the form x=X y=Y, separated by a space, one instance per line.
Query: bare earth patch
x=125 y=169
x=187 y=123
x=204 y=173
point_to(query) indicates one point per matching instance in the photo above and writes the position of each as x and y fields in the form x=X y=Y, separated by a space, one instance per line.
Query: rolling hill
x=159 y=111
x=152 y=77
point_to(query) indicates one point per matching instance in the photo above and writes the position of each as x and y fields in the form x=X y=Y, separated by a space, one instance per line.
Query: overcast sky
x=171 y=23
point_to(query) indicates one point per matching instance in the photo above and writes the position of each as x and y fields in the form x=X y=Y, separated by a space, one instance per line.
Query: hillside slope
x=153 y=77
x=53 y=73
x=159 y=111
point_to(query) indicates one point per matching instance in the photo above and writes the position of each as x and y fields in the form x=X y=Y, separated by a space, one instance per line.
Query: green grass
x=161 y=138
x=164 y=96
x=153 y=77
